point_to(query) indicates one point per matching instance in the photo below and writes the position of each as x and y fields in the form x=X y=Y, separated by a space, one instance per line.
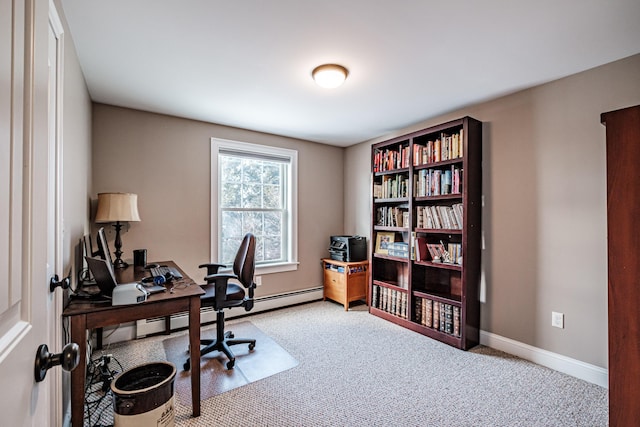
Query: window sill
x=276 y=268
x=271 y=268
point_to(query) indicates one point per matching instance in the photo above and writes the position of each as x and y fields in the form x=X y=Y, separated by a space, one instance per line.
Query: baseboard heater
x=208 y=315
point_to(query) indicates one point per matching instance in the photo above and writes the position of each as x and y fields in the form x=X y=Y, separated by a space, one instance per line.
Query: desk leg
x=78 y=325
x=194 y=352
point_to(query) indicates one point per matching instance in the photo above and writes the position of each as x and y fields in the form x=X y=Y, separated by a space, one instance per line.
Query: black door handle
x=69 y=359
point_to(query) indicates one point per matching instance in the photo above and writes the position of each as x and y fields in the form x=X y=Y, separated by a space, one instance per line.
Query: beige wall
x=76 y=167
x=544 y=218
x=76 y=157
x=166 y=161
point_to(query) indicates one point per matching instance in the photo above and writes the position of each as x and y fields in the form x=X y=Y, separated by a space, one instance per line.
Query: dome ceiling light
x=329 y=75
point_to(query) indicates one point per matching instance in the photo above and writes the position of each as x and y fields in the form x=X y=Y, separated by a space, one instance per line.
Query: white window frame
x=218 y=145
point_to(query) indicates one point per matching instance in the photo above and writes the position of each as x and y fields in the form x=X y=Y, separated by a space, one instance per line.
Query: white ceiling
x=247 y=63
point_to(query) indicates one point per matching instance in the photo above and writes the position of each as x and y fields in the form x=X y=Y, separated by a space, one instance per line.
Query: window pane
x=272 y=249
x=271 y=173
x=231 y=224
x=229 y=249
x=272 y=196
x=251 y=196
x=253 y=223
x=251 y=171
x=230 y=195
x=230 y=169
x=273 y=223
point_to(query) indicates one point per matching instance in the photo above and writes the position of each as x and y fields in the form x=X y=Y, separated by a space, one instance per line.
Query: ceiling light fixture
x=329 y=75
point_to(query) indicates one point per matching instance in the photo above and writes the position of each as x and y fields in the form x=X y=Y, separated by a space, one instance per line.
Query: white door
x=25 y=300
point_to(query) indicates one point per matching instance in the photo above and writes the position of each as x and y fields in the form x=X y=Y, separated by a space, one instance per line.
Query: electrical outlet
x=258 y=280
x=557 y=319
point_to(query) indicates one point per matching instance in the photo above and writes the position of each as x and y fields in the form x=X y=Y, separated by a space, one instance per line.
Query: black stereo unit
x=348 y=248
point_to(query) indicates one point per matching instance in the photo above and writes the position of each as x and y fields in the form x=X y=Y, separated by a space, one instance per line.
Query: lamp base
x=118 y=263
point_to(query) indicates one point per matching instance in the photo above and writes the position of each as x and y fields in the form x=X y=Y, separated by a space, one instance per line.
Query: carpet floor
x=358 y=370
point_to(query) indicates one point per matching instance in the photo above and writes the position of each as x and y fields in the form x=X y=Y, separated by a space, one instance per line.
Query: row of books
x=440 y=217
x=437 y=182
x=391 y=158
x=451 y=253
x=389 y=300
x=438 y=315
x=392 y=216
x=392 y=186
x=445 y=147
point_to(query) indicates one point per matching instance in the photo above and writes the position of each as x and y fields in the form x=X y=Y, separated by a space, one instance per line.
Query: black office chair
x=221 y=294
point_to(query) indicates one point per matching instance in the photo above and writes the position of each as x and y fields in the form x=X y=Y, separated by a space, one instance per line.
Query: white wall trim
x=576 y=368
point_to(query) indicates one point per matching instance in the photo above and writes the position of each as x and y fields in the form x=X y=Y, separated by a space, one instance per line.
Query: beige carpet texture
x=355 y=369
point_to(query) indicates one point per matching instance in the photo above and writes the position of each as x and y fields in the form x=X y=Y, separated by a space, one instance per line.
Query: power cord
x=98 y=395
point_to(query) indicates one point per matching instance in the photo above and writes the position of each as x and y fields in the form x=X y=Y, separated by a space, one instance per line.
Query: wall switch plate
x=257 y=280
x=557 y=319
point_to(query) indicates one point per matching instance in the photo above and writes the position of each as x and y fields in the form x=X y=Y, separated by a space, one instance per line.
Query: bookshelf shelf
x=434 y=290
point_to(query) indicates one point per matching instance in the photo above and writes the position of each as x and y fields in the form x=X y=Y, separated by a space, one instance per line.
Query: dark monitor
x=103 y=274
x=103 y=248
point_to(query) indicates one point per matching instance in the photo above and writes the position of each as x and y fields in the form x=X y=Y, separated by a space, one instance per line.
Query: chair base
x=222 y=343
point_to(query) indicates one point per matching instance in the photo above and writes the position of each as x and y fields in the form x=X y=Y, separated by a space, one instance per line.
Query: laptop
x=106 y=280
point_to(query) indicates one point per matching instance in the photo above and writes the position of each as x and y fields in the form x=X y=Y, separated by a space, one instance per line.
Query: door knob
x=55 y=282
x=69 y=359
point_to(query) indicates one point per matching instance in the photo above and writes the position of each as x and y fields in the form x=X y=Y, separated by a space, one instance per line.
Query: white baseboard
x=142 y=328
x=575 y=368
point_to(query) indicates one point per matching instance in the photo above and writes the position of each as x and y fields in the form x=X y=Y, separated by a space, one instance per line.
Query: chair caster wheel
x=230 y=364
x=187 y=365
x=252 y=346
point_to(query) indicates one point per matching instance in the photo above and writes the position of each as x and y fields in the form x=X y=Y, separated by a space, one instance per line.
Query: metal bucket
x=144 y=396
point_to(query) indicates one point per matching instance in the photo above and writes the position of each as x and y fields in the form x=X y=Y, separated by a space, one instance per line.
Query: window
x=253 y=190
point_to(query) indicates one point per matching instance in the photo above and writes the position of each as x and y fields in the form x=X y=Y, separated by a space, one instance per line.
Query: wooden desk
x=88 y=315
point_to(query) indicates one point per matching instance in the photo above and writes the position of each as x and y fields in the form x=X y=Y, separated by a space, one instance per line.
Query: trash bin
x=143 y=396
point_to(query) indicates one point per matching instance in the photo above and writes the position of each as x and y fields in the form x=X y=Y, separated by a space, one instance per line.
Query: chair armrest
x=211 y=268
x=221 y=276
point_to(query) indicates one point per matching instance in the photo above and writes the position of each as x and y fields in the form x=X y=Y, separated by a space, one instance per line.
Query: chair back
x=244 y=264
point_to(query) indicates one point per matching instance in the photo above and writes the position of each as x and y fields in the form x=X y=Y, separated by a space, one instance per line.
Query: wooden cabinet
x=345 y=282
x=623 y=232
x=426 y=230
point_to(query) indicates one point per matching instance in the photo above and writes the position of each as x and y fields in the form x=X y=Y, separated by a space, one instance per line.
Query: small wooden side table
x=345 y=282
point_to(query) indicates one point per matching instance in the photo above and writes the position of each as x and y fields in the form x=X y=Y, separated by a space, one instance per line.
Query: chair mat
x=266 y=359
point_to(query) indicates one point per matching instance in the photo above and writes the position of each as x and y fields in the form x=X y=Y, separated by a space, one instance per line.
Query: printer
x=348 y=248
x=129 y=293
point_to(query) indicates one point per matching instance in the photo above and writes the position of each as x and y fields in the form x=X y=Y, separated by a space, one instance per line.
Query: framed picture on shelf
x=383 y=239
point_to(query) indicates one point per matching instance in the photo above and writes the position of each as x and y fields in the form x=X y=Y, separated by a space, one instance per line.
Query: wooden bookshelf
x=426 y=231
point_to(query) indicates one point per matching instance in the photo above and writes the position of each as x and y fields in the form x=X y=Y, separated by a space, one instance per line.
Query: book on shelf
x=427 y=313
x=421 y=249
x=437 y=182
x=442 y=147
x=389 y=300
x=391 y=158
x=456 y=321
x=392 y=216
x=398 y=249
x=436 y=315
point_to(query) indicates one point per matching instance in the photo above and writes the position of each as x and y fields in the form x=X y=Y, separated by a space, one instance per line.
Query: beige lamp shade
x=114 y=207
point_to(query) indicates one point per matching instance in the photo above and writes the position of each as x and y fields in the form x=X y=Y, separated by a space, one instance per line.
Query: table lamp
x=117 y=208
